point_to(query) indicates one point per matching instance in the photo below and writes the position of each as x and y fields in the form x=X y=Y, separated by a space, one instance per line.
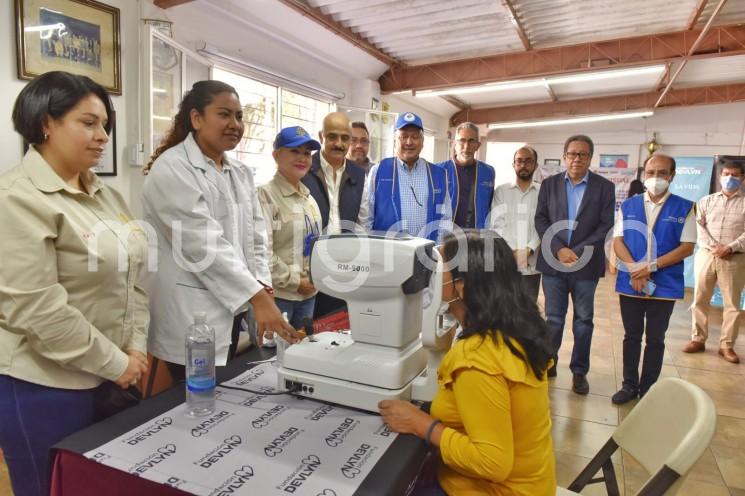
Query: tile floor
x=583 y=424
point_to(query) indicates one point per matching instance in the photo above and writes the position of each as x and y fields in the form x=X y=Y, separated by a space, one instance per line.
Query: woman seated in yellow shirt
x=490 y=418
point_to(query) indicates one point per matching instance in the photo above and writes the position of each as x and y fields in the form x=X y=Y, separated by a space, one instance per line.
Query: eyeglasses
x=579 y=155
x=471 y=141
x=363 y=141
x=524 y=161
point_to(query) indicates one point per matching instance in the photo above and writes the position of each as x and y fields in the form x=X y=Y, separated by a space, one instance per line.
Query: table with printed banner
x=257 y=444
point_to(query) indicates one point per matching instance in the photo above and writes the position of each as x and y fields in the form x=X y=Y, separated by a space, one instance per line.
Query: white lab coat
x=216 y=262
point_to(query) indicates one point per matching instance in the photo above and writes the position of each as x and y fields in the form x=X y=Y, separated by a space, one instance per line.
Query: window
x=428 y=150
x=265 y=112
x=300 y=110
x=499 y=155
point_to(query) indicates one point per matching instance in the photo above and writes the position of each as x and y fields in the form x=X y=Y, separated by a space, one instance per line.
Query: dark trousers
x=32 y=419
x=326 y=305
x=556 y=291
x=657 y=314
x=532 y=285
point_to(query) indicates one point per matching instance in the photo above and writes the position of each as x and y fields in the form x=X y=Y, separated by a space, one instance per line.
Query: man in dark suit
x=574 y=215
x=337 y=186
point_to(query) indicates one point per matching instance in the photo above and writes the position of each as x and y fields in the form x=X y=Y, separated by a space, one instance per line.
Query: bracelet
x=429 y=432
x=267 y=288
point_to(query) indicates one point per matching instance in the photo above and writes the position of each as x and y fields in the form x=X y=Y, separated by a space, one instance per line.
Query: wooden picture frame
x=107 y=166
x=77 y=36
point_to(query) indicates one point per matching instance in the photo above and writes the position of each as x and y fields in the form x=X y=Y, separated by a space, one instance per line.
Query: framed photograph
x=614 y=160
x=107 y=166
x=78 y=36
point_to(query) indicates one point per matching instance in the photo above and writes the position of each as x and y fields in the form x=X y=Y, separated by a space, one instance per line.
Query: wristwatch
x=653 y=266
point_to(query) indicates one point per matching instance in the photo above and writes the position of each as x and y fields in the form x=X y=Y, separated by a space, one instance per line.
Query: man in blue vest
x=337 y=187
x=406 y=193
x=470 y=181
x=655 y=232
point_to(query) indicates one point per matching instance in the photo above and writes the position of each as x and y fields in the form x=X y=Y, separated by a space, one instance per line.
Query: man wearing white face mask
x=720 y=260
x=652 y=236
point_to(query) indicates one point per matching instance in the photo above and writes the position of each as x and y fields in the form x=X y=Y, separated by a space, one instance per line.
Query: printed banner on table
x=254 y=444
x=615 y=161
x=692 y=182
x=621 y=178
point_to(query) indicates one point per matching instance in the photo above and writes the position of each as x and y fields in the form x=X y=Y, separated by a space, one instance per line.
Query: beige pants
x=729 y=275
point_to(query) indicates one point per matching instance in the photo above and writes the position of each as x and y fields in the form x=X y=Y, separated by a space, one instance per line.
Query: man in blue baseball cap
x=406 y=193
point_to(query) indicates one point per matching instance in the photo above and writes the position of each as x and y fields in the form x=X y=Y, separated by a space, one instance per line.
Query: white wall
x=254 y=41
x=125 y=105
x=703 y=130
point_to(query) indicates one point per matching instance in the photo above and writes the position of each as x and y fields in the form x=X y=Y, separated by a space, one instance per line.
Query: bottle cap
x=200 y=317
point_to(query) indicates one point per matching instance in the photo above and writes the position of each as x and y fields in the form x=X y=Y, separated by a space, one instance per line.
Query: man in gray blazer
x=573 y=217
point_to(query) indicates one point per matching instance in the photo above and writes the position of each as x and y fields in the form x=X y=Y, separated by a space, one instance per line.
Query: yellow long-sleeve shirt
x=497 y=439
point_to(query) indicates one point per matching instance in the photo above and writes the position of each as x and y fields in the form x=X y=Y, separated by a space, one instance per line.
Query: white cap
x=200 y=317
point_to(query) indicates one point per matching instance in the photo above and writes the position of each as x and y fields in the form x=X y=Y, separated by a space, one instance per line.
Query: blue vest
x=667 y=231
x=484 y=190
x=388 y=199
x=350 y=194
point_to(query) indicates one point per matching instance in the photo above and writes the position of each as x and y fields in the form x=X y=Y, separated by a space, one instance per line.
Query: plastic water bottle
x=200 y=367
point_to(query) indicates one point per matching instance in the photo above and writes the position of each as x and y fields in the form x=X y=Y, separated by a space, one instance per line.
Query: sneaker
x=623 y=396
x=580 y=384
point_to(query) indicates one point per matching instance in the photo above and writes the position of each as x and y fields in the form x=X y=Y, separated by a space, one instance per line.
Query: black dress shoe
x=551 y=371
x=580 y=384
x=623 y=396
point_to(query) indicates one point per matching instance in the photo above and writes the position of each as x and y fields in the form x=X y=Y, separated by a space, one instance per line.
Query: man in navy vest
x=573 y=217
x=406 y=193
x=470 y=181
x=337 y=186
x=652 y=236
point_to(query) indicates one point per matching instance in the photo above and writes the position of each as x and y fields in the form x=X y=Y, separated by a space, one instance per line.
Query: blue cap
x=293 y=137
x=409 y=119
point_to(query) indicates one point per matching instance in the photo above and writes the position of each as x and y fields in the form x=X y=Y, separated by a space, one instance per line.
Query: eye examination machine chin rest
x=393 y=290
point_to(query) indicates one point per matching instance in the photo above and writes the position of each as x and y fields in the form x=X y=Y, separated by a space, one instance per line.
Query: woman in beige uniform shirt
x=294 y=220
x=72 y=314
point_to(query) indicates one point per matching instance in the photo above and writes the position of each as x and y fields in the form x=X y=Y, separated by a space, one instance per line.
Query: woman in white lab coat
x=212 y=242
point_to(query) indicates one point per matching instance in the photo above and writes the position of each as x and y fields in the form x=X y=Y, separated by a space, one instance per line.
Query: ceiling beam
x=517 y=23
x=618 y=53
x=705 y=95
x=691 y=51
x=453 y=100
x=328 y=22
x=164 y=4
x=696 y=14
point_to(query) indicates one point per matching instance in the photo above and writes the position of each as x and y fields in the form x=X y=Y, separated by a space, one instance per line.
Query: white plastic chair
x=667 y=432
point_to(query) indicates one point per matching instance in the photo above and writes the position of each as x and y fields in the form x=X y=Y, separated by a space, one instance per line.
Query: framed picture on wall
x=107 y=166
x=78 y=36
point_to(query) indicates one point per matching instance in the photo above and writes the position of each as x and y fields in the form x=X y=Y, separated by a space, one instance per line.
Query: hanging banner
x=621 y=178
x=692 y=182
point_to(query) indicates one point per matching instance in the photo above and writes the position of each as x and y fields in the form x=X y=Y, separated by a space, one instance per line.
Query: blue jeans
x=556 y=290
x=297 y=311
x=32 y=419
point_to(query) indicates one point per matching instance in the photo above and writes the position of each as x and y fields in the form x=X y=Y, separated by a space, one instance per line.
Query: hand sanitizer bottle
x=200 y=367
